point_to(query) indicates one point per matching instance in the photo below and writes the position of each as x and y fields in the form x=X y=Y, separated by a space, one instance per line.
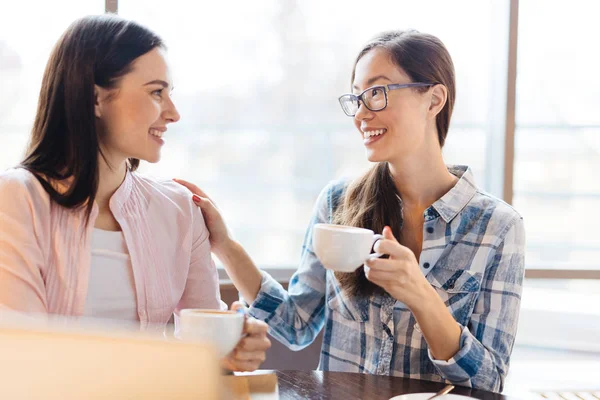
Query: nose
x=170 y=112
x=363 y=112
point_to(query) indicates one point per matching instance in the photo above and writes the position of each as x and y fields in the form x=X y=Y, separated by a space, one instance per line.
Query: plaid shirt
x=473 y=255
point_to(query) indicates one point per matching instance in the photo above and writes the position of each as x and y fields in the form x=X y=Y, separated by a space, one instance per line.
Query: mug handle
x=375 y=239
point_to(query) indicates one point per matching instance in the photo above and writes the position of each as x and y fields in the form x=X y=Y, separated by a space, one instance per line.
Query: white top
x=111 y=288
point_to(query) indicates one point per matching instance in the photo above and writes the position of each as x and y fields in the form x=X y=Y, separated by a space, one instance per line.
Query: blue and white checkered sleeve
x=485 y=346
x=296 y=316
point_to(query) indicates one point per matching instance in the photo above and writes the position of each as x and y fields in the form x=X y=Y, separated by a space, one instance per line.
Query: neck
x=422 y=177
x=110 y=178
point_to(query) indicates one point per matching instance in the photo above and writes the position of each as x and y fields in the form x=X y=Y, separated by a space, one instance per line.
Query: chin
x=153 y=159
x=374 y=157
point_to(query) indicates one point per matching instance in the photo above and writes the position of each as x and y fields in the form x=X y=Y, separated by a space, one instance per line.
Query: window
x=557 y=142
x=262 y=132
x=25 y=45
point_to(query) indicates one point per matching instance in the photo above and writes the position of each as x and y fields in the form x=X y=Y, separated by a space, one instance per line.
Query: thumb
x=388 y=234
x=237 y=305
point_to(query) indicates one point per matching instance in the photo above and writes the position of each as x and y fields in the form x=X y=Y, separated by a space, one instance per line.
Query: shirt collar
x=120 y=197
x=457 y=198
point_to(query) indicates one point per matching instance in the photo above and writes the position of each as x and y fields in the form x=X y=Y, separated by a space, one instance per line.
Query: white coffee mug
x=343 y=248
x=222 y=329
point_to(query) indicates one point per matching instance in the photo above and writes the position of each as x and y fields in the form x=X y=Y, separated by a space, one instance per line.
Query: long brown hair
x=64 y=142
x=372 y=201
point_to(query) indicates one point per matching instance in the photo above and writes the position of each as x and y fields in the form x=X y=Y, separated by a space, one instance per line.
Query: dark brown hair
x=64 y=142
x=372 y=201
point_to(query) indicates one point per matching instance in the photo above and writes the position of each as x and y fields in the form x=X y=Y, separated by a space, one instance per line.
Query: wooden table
x=345 y=386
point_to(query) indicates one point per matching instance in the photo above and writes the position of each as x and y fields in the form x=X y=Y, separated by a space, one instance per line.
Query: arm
x=22 y=287
x=239 y=266
x=476 y=355
x=245 y=275
x=202 y=291
x=486 y=344
x=401 y=277
x=296 y=316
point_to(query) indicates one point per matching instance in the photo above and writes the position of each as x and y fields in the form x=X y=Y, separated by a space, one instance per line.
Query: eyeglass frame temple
x=387 y=88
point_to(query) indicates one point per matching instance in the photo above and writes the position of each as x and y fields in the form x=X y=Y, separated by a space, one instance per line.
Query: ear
x=99 y=95
x=439 y=96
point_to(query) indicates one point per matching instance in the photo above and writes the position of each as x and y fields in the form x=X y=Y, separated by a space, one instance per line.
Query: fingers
x=251 y=350
x=256 y=327
x=192 y=188
x=389 y=245
x=241 y=366
x=251 y=345
x=208 y=207
x=381 y=271
x=387 y=234
x=249 y=353
x=392 y=248
x=200 y=198
x=236 y=305
x=381 y=277
x=382 y=264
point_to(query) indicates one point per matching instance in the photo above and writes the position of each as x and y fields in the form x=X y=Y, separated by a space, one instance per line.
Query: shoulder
x=496 y=216
x=23 y=200
x=334 y=190
x=20 y=183
x=331 y=196
x=167 y=200
x=165 y=189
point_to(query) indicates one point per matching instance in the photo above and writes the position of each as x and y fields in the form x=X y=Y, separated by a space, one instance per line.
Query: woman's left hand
x=249 y=353
x=399 y=275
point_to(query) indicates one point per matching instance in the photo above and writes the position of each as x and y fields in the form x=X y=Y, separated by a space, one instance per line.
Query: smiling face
x=401 y=129
x=133 y=117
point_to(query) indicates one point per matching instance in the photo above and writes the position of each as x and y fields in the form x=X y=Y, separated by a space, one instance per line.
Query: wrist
x=425 y=297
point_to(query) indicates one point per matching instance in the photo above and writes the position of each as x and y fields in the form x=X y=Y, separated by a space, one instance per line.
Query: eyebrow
x=373 y=80
x=158 y=82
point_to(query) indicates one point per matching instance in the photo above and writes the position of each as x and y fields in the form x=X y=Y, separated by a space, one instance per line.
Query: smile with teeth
x=377 y=132
x=156 y=132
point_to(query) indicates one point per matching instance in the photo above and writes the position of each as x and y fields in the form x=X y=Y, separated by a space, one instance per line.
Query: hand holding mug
x=399 y=275
x=241 y=341
x=249 y=353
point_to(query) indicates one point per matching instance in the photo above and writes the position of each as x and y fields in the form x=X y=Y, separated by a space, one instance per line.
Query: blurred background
x=261 y=131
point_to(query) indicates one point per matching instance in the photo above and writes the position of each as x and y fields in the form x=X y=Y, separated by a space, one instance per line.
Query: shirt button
x=429 y=229
x=426 y=265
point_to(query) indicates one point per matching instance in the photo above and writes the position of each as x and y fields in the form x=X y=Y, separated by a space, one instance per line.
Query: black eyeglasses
x=374 y=98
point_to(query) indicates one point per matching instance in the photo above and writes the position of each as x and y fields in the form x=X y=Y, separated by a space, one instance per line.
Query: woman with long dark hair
x=82 y=234
x=444 y=304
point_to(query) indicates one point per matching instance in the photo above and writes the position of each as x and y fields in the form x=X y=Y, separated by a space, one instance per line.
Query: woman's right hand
x=219 y=234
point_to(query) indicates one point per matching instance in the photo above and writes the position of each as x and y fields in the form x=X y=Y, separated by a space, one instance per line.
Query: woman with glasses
x=82 y=234
x=443 y=304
